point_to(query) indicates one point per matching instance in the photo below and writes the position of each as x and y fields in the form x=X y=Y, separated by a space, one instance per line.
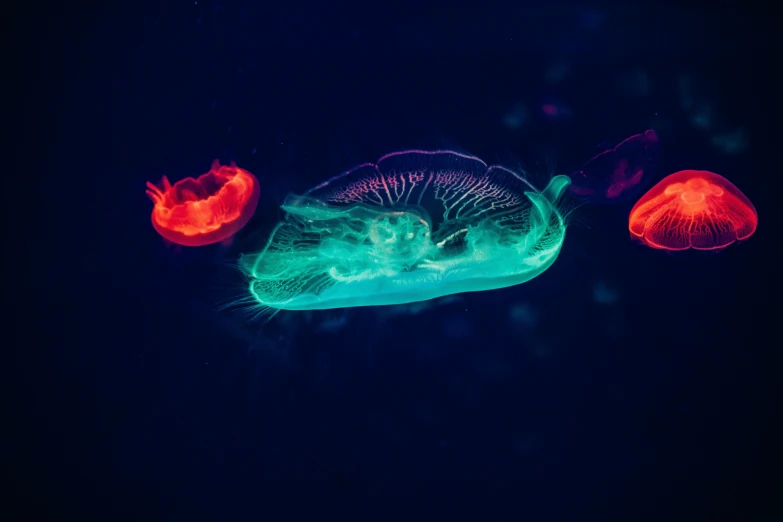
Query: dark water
x=621 y=384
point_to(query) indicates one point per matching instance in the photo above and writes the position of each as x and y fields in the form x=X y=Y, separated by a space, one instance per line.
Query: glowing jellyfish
x=618 y=174
x=205 y=210
x=692 y=209
x=416 y=226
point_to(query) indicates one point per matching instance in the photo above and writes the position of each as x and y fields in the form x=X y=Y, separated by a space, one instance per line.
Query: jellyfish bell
x=205 y=210
x=416 y=226
x=618 y=174
x=692 y=209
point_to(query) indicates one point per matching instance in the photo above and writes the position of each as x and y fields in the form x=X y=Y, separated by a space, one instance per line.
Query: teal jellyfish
x=416 y=226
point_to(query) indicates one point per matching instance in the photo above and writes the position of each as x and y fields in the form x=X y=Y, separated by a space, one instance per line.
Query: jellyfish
x=618 y=174
x=415 y=226
x=692 y=209
x=208 y=209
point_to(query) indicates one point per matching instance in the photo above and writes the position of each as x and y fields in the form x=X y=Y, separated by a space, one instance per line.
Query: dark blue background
x=621 y=384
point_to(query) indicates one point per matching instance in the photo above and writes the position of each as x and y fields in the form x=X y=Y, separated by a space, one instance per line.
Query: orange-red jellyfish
x=205 y=210
x=692 y=209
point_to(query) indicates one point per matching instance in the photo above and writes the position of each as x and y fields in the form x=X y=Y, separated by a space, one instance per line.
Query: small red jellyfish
x=692 y=209
x=205 y=210
x=620 y=173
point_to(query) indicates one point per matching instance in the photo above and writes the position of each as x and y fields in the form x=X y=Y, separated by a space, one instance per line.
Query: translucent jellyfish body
x=692 y=209
x=620 y=173
x=416 y=226
x=205 y=210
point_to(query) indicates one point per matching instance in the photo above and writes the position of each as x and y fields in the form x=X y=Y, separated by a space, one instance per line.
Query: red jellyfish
x=692 y=209
x=620 y=173
x=205 y=210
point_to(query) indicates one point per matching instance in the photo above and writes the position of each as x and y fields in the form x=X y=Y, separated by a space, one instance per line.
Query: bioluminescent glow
x=205 y=210
x=416 y=226
x=692 y=209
